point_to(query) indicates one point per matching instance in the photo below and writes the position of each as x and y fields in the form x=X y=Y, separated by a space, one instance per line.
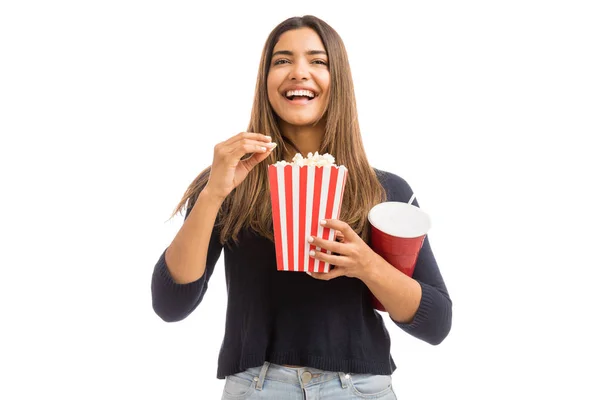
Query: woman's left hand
x=351 y=256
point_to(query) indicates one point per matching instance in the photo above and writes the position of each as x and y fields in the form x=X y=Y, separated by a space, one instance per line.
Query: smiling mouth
x=300 y=94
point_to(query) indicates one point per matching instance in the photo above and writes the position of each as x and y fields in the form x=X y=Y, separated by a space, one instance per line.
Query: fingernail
x=311 y=253
x=308 y=273
x=323 y=222
x=272 y=144
x=263 y=148
x=310 y=239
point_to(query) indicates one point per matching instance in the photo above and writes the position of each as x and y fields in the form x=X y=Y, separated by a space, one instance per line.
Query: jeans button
x=306 y=377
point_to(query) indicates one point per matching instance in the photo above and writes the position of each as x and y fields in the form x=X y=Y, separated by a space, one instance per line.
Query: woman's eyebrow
x=289 y=53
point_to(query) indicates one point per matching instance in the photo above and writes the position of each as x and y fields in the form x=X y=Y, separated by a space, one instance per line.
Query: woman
x=292 y=335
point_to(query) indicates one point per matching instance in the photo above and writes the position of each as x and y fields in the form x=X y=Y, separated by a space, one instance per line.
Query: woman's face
x=298 y=80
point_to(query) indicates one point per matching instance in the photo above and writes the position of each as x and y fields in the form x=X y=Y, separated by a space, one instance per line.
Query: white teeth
x=306 y=93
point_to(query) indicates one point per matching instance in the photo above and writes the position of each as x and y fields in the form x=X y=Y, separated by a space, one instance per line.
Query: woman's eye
x=280 y=61
x=322 y=62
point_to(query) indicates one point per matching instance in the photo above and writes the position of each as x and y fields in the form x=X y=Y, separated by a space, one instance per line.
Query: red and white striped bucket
x=301 y=196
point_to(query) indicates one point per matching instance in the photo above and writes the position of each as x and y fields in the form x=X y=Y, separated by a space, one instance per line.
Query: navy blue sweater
x=292 y=318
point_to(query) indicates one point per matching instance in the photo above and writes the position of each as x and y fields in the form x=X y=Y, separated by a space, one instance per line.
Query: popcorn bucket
x=397 y=234
x=301 y=196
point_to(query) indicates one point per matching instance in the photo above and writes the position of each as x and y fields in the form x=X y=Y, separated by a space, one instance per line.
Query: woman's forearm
x=186 y=256
x=398 y=293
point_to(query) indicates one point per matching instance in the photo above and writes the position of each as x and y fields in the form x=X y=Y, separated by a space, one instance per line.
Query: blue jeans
x=272 y=381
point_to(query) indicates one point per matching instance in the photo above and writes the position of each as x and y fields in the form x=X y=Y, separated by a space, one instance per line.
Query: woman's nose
x=299 y=71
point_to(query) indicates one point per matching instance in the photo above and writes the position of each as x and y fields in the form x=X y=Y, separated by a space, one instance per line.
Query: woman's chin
x=298 y=120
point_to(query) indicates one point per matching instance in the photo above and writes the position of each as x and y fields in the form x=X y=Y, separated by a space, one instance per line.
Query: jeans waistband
x=302 y=376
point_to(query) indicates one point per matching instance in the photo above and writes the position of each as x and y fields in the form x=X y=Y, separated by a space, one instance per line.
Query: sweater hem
x=355 y=366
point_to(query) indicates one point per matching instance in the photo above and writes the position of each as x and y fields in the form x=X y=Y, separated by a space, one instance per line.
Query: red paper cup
x=397 y=234
x=301 y=196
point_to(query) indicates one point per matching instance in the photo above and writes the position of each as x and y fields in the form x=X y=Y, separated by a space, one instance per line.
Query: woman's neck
x=306 y=138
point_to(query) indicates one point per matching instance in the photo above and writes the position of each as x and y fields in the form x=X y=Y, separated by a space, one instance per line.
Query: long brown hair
x=249 y=205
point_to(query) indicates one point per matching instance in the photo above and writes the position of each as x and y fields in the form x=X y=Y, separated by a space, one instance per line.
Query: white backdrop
x=109 y=109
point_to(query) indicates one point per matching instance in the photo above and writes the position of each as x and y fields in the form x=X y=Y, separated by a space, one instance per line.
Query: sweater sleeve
x=172 y=301
x=433 y=319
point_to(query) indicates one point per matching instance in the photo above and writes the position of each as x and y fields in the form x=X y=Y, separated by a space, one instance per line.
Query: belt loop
x=343 y=380
x=262 y=376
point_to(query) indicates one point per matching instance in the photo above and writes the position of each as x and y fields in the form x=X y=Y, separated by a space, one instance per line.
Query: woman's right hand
x=228 y=170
